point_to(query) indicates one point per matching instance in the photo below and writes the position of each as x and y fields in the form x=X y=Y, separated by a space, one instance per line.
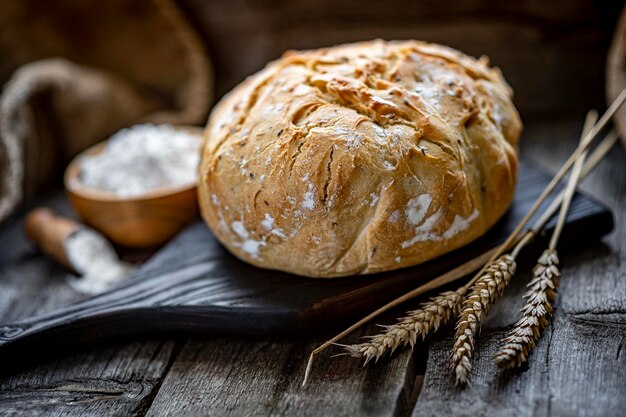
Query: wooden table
x=578 y=368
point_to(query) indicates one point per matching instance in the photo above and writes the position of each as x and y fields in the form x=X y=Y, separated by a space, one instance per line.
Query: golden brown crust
x=359 y=158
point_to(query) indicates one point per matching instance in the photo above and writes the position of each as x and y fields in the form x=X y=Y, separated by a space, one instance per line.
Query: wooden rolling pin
x=50 y=231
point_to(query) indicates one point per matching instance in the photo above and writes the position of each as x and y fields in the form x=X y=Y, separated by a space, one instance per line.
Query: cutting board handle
x=10 y=333
x=64 y=329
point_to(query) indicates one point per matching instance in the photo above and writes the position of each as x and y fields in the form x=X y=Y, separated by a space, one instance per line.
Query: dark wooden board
x=195 y=285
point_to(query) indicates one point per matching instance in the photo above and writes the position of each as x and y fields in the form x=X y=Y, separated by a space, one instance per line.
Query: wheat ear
x=539 y=299
x=541 y=293
x=482 y=295
x=426 y=319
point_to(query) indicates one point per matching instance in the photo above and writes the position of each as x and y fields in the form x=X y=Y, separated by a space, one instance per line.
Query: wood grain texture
x=579 y=366
x=120 y=380
x=261 y=377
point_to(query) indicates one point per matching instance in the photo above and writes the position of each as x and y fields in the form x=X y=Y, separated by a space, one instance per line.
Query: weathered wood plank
x=578 y=367
x=114 y=381
x=261 y=377
x=118 y=380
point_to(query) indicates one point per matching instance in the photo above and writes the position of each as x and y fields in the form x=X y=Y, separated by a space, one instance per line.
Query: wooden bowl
x=143 y=221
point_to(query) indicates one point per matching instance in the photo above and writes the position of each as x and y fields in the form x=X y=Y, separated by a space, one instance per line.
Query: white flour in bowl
x=143 y=158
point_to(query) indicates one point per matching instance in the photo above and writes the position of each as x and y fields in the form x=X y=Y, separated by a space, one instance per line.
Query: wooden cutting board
x=194 y=285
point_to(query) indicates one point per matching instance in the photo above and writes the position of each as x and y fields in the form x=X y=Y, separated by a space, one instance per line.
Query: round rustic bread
x=359 y=158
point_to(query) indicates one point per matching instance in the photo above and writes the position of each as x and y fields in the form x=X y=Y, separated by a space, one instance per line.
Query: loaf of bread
x=359 y=158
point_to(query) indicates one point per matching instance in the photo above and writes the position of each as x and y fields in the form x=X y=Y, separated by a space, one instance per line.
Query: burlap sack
x=77 y=71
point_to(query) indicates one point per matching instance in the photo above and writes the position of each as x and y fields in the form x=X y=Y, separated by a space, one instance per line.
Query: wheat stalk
x=428 y=318
x=541 y=294
x=539 y=298
x=537 y=303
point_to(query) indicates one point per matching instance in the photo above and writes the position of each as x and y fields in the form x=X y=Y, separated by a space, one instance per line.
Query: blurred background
x=74 y=72
x=553 y=53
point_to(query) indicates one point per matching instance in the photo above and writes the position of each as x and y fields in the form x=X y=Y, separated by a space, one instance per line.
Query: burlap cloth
x=76 y=71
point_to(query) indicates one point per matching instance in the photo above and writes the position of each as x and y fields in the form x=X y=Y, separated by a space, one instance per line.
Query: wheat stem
x=590 y=163
x=542 y=289
x=571 y=183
